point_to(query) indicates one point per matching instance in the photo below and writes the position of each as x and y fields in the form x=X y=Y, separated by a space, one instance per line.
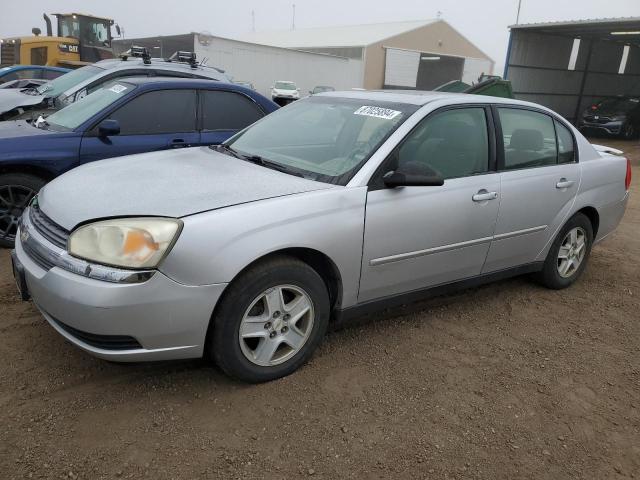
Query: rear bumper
x=610 y=217
x=159 y=319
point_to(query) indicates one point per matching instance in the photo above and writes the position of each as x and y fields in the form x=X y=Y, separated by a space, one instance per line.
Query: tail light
x=627 y=179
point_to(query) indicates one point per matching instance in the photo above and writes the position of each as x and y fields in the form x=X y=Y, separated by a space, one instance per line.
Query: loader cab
x=93 y=35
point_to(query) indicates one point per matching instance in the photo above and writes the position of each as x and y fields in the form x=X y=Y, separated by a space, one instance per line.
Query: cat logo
x=68 y=48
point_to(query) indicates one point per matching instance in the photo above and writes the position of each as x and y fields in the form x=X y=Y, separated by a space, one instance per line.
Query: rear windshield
x=68 y=80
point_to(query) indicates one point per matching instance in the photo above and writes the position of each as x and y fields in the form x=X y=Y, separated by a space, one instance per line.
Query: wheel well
x=320 y=262
x=29 y=170
x=593 y=215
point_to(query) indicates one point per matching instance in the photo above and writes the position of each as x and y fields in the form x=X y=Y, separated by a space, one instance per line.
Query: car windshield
x=618 y=104
x=71 y=117
x=68 y=80
x=323 y=89
x=285 y=86
x=322 y=138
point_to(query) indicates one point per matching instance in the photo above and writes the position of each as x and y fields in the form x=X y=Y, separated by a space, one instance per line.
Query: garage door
x=401 y=69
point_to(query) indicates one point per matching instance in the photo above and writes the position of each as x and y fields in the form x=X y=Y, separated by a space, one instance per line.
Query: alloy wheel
x=276 y=325
x=572 y=251
x=13 y=200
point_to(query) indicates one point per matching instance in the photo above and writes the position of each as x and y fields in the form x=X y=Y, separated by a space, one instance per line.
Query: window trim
x=500 y=137
x=375 y=181
x=200 y=111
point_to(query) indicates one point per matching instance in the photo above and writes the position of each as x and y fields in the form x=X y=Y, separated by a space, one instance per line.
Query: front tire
x=628 y=131
x=568 y=256
x=270 y=320
x=16 y=191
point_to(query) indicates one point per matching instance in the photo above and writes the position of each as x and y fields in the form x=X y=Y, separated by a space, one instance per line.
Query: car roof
x=421 y=97
x=15 y=68
x=131 y=62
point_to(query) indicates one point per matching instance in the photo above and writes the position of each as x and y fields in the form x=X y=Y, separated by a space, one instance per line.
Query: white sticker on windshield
x=117 y=88
x=377 y=112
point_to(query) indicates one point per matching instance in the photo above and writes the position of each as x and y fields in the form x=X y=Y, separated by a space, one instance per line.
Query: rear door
x=223 y=113
x=156 y=120
x=539 y=176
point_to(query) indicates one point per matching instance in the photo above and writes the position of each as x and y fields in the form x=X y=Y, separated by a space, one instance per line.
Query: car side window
x=529 y=138
x=453 y=143
x=162 y=111
x=566 y=148
x=228 y=111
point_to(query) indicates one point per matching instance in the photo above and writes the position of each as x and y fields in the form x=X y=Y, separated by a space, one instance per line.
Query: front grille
x=9 y=53
x=593 y=119
x=104 y=342
x=40 y=259
x=48 y=228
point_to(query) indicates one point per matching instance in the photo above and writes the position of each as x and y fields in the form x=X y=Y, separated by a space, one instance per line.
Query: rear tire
x=569 y=253
x=16 y=191
x=270 y=320
x=629 y=131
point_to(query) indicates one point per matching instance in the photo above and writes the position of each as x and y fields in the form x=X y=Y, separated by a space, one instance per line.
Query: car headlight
x=126 y=242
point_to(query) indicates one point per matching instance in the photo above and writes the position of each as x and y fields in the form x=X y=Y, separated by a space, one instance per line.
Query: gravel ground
x=504 y=381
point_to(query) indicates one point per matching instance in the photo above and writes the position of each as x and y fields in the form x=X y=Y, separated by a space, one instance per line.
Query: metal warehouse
x=567 y=66
x=417 y=54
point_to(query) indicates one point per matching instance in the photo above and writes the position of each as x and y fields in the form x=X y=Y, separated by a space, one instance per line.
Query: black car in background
x=615 y=116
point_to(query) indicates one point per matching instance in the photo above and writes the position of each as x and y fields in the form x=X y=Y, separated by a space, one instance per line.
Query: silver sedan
x=331 y=207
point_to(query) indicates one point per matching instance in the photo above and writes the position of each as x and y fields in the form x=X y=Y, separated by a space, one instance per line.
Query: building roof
x=339 y=36
x=586 y=26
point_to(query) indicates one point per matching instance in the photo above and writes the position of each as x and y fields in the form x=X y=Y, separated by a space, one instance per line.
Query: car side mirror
x=108 y=128
x=398 y=178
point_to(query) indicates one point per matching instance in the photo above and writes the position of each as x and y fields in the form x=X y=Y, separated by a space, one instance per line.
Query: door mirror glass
x=108 y=128
x=401 y=178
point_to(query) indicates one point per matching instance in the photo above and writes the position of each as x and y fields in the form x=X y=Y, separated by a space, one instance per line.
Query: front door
x=419 y=237
x=539 y=180
x=156 y=120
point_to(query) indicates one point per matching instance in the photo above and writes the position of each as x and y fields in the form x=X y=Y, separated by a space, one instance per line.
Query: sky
x=485 y=23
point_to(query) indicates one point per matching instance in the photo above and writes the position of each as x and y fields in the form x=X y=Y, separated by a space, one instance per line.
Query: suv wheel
x=270 y=320
x=16 y=191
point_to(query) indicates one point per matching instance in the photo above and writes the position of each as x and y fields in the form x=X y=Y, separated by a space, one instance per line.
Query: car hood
x=168 y=184
x=11 y=98
x=21 y=128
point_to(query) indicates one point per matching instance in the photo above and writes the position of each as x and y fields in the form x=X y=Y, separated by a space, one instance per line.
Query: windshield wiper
x=227 y=149
x=258 y=160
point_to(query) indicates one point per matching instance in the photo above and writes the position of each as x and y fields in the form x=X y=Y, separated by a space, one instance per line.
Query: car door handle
x=178 y=143
x=564 y=183
x=483 y=196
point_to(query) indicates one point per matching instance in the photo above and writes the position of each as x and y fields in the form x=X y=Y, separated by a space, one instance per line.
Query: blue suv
x=122 y=117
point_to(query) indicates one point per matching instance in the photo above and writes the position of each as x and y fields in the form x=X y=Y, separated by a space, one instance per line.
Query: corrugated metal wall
x=539 y=69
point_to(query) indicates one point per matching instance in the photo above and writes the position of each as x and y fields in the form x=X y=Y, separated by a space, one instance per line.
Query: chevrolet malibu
x=333 y=206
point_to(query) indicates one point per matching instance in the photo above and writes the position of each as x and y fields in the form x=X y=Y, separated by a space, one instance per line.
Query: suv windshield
x=71 y=117
x=615 y=105
x=285 y=86
x=322 y=138
x=68 y=80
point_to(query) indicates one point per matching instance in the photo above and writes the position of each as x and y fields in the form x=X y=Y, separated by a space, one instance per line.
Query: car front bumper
x=612 y=128
x=157 y=319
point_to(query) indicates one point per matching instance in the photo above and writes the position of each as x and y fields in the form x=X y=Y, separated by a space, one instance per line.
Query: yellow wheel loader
x=81 y=39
